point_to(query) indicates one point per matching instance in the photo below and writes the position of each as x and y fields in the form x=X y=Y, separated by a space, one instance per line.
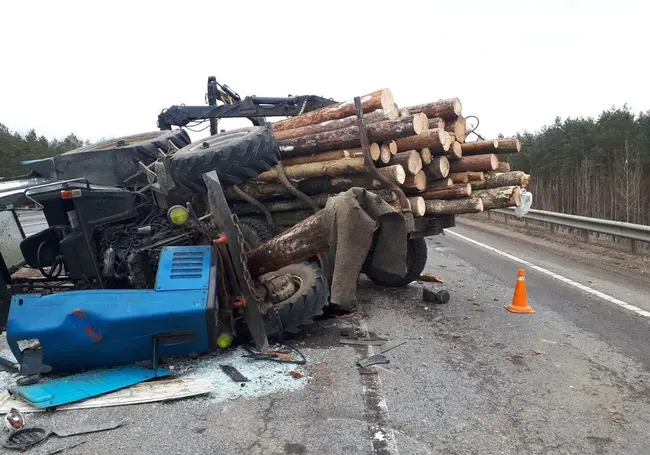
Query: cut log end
x=438 y=168
x=386 y=100
x=420 y=123
x=393 y=147
x=394 y=173
x=385 y=154
x=375 y=151
x=417 y=182
x=425 y=154
x=456 y=150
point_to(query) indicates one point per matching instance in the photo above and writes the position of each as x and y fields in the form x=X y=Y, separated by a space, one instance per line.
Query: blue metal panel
x=69 y=389
x=101 y=328
x=184 y=267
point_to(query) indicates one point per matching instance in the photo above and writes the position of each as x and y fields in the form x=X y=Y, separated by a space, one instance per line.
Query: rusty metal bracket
x=293 y=190
x=255 y=203
x=370 y=164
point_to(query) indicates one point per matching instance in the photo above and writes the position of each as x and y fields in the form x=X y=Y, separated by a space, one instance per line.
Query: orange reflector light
x=69 y=194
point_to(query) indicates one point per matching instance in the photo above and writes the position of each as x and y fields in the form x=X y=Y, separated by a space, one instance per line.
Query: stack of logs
x=422 y=148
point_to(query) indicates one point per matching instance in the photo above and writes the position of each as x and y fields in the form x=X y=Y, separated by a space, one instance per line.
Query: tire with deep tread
x=236 y=156
x=416 y=260
x=308 y=302
x=256 y=231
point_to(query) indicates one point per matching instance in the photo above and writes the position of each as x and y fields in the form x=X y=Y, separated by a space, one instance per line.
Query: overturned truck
x=157 y=246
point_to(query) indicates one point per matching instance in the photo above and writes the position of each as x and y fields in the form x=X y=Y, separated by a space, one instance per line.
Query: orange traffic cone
x=520 y=299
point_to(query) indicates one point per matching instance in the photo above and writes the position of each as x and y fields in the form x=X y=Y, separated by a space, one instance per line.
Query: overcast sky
x=106 y=69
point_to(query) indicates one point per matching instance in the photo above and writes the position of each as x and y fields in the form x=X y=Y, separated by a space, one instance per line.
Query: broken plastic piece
x=233 y=373
x=295 y=374
x=430 y=278
x=374 y=360
x=14 y=420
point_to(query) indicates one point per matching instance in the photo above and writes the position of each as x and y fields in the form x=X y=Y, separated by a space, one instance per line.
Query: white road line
x=561 y=278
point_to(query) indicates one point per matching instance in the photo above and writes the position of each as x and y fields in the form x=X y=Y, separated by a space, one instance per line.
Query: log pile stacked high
x=421 y=148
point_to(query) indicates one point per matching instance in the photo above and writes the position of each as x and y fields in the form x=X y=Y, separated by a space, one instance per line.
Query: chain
x=243 y=244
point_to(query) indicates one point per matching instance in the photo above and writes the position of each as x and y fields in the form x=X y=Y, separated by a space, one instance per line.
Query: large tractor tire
x=236 y=156
x=113 y=161
x=256 y=231
x=416 y=260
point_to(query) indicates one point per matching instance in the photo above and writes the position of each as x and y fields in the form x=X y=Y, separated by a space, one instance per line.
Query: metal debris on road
x=362 y=342
x=233 y=373
x=280 y=355
x=391 y=345
x=14 y=420
x=367 y=371
x=27 y=437
x=374 y=360
x=295 y=374
x=430 y=278
x=64 y=448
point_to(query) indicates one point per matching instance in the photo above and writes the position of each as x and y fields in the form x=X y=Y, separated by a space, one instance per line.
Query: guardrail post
x=488 y=214
x=585 y=235
x=633 y=246
x=552 y=228
x=526 y=222
x=505 y=219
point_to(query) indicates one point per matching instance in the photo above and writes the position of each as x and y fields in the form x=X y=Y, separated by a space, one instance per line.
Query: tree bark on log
x=381 y=99
x=331 y=125
x=415 y=183
x=503 y=167
x=299 y=243
x=425 y=155
x=509 y=146
x=431 y=139
x=349 y=137
x=480 y=147
x=337 y=168
x=450 y=108
x=332 y=155
x=498 y=198
x=496 y=180
x=455 y=151
x=457 y=191
x=474 y=163
x=458 y=127
x=453 y=206
x=410 y=161
x=437 y=123
x=417 y=206
x=438 y=168
x=385 y=155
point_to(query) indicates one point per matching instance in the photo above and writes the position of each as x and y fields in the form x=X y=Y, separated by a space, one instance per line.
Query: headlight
x=177 y=215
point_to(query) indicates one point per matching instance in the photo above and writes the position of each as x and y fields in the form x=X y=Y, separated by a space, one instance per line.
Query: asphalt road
x=472 y=378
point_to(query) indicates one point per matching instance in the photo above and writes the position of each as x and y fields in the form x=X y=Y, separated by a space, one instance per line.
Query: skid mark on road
x=558 y=277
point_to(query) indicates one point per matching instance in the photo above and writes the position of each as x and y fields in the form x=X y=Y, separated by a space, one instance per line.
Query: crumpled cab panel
x=77 y=330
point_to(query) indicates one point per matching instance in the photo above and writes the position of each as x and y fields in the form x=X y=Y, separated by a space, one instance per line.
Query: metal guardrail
x=633 y=232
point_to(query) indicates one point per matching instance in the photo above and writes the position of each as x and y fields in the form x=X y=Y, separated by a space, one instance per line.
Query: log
x=451 y=136
x=332 y=155
x=349 y=137
x=385 y=155
x=331 y=125
x=337 y=168
x=496 y=180
x=480 y=147
x=410 y=161
x=509 y=146
x=392 y=145
x=381 y=99
x=464 y=177
x=425 y=155
x=415 y=183
x=459 y=177
x=503 y=167
x=417 y=206
x=474 y=163
x=456 y=126
x=431 y=139
x=305 y=240
x=440 y=183
x=453 y=206
x=498 y=198
x=455 y=150
x=285 y=219
x=438 y=168
x=437 y=122
x=457 y=191
x=450 y=108
x=404 y=112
